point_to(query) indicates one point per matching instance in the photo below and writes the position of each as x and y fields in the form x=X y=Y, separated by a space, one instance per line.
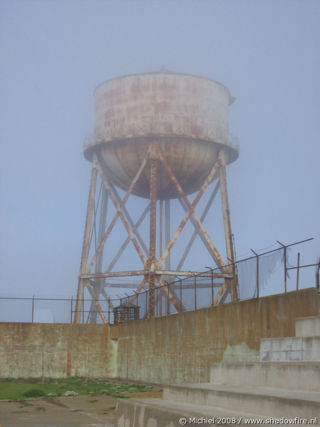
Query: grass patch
x=21 y=389
x=34 y=392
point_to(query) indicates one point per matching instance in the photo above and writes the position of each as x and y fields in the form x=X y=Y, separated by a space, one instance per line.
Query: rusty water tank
x=186 y=114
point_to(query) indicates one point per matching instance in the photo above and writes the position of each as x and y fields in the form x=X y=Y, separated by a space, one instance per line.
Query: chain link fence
x=260 y=275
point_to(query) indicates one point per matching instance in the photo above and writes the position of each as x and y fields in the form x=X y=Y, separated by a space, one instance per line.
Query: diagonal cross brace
x=119 y=213
x=130 y=221
x=137 y=292
x=196 y=231
x=94 y=298
x=164 y=287
x=171 y=297
x=126 y=242
x=191 y=211
x=224 y=288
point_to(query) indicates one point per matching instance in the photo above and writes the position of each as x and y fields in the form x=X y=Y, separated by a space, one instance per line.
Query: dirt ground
x=80 y=411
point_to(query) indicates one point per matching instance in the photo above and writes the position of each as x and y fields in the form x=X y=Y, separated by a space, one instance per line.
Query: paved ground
x=80 y=411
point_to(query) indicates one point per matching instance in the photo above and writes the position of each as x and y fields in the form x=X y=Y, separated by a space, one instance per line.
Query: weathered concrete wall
x=174 y=349
x=56 y=350
x=181 y=348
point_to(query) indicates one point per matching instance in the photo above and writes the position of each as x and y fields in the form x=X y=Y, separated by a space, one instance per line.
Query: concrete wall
x=174 y=349
x=181 y=348
x=56 y=350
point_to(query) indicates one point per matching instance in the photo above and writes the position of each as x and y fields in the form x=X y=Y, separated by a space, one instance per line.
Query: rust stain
x=69 y=364
x=186 y=114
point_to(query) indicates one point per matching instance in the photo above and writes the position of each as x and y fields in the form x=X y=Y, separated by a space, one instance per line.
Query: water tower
x=158 y=136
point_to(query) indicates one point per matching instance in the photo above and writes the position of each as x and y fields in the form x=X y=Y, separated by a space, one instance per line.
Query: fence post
x=212 y=291
x=32 y=308
x=160 y=300
x=180 y=292
x=285 y=265
x=195 y=292
x=298 y=270
x=257 y=273
x=83 y=310
x=146 y=292
x=71 y=306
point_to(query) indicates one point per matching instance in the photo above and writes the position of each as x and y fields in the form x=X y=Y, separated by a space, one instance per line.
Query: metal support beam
x=130 y=221
x=172 y=298
x=119 y=213
x=86 y=242
x=127 y=241
x=130 y=273
x=98 y=267
x=93 y=296
x=152 y=233
x=167 y=232
x=191 y=211
x=137 y=292
x=227 y=224
x=197 y=231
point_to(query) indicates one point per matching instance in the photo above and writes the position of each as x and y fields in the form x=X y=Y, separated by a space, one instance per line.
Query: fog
x=53 y=54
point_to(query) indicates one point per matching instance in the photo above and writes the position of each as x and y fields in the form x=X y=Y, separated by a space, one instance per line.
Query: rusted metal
x=225 y=294
x=130 y=273
x=125 y=313
x=69 y=363
x=192 y=274
x=225 y=288
x=130 y=221
x=132 y=110
x=227 y=224
x=127 y=241
x=152 y=232
x=96 y=302
x=167 y=234
x=191 y=211
x=160 y=225
x=139 y=289
x=197 y=232
x=86 y=241
x=144 y=120
x=109 y=301
x=119 y=213
x=98 y=286
x=170 y=296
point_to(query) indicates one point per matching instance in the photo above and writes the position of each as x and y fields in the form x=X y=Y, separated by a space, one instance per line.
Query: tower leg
x=86 y=244
x=167 y=262
x=227 y=226
x=99 y=282
x=153 y=233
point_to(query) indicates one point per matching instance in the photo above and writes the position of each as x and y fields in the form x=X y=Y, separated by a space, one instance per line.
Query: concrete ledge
x=256 y=400
x=292 y=376
x=163 y=413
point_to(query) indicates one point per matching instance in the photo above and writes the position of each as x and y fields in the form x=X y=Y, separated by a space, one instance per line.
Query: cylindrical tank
x=187 y=115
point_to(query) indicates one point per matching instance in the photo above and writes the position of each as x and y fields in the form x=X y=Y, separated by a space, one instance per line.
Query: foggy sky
x=53 y=54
